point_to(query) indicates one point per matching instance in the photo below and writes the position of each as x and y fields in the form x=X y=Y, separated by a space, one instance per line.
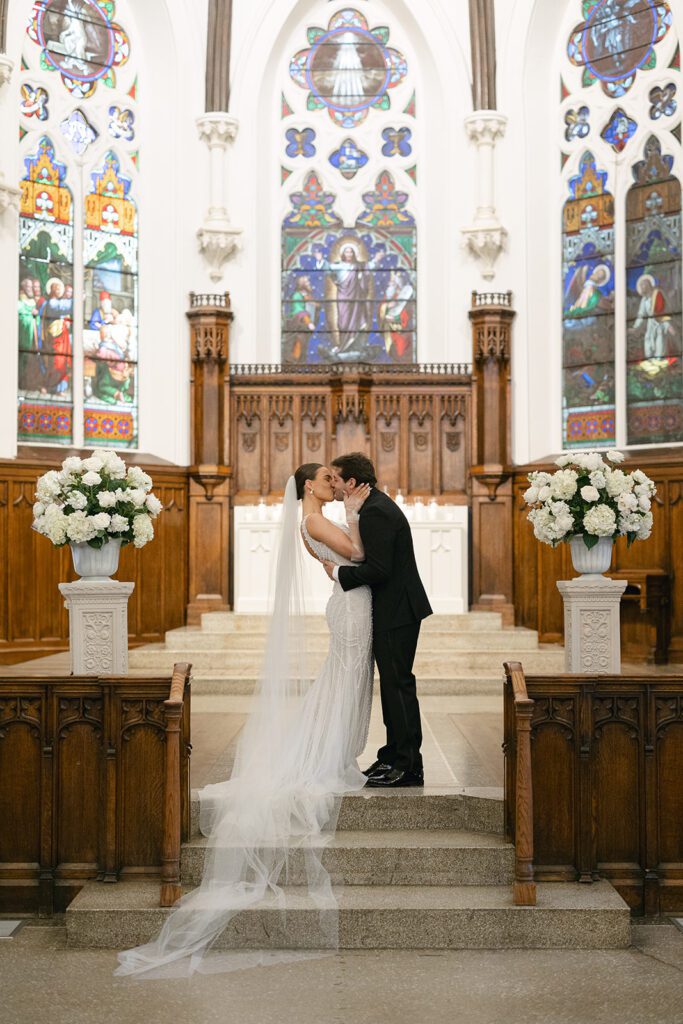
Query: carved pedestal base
x=591 y=624
x=98 y=626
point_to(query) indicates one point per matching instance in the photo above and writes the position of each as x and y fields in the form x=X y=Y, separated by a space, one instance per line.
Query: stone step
x=248 y=643
x=432 y=808
x=568 y=915
x=475 y=682
x=229 y=622
x=408 y=857
x=549 y=660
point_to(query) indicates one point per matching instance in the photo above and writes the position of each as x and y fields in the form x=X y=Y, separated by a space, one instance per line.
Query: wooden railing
x=605 y=759
x=177 y=780
x=519 y=813
x=94 y=784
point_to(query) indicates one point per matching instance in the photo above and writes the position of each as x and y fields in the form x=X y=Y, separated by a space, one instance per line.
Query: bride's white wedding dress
x=295 y=760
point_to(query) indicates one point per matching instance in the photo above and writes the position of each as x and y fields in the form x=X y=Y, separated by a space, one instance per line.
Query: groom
x=399 y=603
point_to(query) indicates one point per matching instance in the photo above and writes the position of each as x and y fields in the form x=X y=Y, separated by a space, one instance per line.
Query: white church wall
x=168 y=40
x=265 y=34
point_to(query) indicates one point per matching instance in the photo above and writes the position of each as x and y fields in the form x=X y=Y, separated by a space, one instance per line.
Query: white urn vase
x=96 y=564
x=591 y=561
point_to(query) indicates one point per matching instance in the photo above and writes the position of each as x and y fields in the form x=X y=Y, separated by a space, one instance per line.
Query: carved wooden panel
x=82 y=775
x=607 y=764
x=414 y=422
x=21 y=729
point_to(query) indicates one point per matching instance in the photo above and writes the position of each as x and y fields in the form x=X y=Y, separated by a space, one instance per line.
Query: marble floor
x=44 y=981
x=462 y=739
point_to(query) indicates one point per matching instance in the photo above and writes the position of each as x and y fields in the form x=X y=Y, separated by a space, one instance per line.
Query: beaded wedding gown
x=267 y=826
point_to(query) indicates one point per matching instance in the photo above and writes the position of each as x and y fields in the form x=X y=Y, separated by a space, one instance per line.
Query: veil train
x=268 y=824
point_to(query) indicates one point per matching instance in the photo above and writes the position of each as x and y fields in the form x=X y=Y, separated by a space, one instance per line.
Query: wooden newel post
x=524 y=887
x=170 y=853
x=490 y=476
x=210 y=317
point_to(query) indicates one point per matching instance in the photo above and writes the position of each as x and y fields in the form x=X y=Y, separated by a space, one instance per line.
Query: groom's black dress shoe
x=378 y=768
x=397 y=777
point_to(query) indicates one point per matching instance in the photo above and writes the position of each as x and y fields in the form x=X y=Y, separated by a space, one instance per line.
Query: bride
x=295 y=760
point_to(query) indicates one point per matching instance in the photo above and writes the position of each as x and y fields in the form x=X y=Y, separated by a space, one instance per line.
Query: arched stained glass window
x=349 y=179
x=588 y=305
x=78 y=296
x=621 y=230
x=654 y=382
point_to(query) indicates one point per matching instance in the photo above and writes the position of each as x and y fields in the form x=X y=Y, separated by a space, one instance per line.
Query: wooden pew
x=94 y=783
x=606 y=781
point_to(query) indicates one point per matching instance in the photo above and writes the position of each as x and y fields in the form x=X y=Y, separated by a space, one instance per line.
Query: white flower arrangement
x=589 y=497
x=94 y=500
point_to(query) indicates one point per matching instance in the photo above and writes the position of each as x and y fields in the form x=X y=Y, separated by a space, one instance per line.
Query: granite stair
x=413 y=869
x=457 y=654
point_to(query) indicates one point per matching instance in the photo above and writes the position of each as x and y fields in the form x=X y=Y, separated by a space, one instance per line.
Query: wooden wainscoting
x=606 y=770
x=33 y=620
x=538 y=567
x=84 y=782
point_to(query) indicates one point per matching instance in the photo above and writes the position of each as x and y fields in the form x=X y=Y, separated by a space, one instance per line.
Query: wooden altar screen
x=439 y=430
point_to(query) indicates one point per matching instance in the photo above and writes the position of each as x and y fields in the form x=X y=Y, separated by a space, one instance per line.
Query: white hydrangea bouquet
x=96 y=500
x=589 y=497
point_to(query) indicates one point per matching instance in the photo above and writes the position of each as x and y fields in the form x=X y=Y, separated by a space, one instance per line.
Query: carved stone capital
x=217 y=243
x=485 y=127
x=486 y=245
x=217 y=128
x=9 y=195
x=6 y=68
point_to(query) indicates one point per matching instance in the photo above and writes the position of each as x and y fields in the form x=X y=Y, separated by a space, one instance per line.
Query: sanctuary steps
x=420 y=870
x=457 y=654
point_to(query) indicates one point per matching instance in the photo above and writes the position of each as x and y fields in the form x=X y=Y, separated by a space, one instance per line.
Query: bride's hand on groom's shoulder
x=354 y=502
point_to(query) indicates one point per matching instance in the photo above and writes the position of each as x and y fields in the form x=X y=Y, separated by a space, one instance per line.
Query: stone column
x=210 y=317
x=218 y=237
x=592 y=640
x=98 y=626
x=9 y=196
x=6 y=67
x=490 y=476
x=485 y=237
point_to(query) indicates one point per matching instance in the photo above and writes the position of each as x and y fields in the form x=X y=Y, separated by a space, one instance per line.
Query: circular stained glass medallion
x=618 y=37
x=347 y=69
x=77 y=38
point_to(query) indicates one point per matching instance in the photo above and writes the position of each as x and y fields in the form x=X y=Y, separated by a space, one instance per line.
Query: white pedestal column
x=592 y=641
x=98 y=626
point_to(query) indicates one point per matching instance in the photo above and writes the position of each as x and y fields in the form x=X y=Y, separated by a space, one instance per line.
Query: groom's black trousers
x=394 y=651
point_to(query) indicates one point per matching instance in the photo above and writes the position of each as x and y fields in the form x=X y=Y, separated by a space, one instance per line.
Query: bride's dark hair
x=304 y=473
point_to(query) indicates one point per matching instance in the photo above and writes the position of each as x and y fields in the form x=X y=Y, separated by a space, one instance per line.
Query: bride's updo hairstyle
x=304 y=473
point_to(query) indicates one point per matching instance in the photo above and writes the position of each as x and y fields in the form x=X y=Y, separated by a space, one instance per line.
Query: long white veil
x=267 y=825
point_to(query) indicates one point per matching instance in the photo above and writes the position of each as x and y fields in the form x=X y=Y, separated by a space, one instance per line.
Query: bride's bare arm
x=348 y=545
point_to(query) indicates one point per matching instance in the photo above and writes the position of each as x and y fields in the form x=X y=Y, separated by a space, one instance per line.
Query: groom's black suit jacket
x=398 y=597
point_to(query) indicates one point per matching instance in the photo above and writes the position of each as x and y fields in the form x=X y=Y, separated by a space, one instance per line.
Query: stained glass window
x=78 y=297
x=654 y=379
x=588 y=307
x=348 y=175
x=46 y=253
x=621 y=225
